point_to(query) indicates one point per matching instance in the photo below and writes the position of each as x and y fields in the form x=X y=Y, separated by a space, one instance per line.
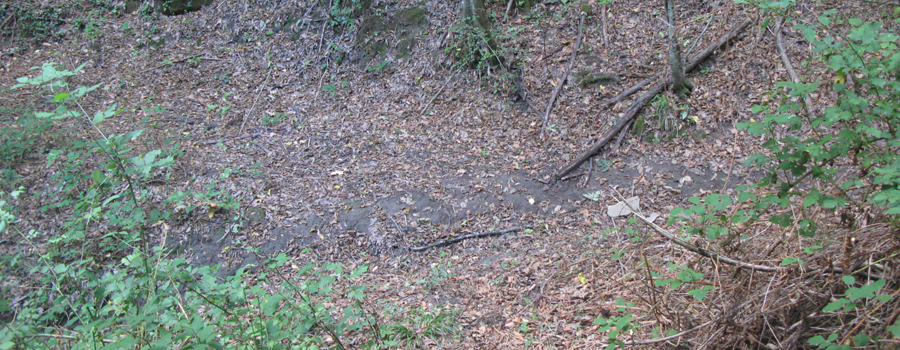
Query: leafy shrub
x=843 y=160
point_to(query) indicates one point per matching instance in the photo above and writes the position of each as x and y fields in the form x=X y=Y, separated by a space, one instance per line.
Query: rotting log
x=636 y=107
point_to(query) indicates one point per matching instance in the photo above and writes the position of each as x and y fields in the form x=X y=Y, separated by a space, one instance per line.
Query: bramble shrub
x=854 y=142
x=850 y=150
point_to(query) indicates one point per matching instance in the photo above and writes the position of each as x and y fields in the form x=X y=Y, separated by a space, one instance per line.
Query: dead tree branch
x=691 y=65
x=461 y=238
x=707 y=253
x=565 y=76
x=807 y=105
x=636 y=107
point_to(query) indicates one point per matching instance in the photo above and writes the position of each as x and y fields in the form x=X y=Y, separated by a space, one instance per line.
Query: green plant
x=848 y=303
x=273 y=119
x=845 y=159
x=223 y=109
x=101 y=281
x=668 y=118
x=418 y=324
x=616 y=325
x=330 y=88
x=32 y=19
x=683 y=275
x=439 y=272
x=378 y=67
x=17 y=139
x=476 y=45
x=859 y=130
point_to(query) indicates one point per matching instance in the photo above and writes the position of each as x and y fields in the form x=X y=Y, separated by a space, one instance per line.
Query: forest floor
x=356 y=142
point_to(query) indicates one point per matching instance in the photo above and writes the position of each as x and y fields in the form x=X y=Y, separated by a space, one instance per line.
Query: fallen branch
x=659 y=340
x=461 y=238
x=565 y=76
x=232 y=139
x=611 y=133
x=633 y=89
x=694 y=61
x=424 y=109
x=636 y=107
x=258 y=92
x=179 y=61
x=707 y=253
x=807 y=105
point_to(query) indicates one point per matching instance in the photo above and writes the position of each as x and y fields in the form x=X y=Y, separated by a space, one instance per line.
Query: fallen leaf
x=621 y=209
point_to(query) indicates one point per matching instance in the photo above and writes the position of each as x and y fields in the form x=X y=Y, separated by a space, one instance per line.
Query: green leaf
x=100 y=116
x=895 y=329
x=269 y=304
x=700 y=294
x=835 y=305
x=861 y=340
x=816 y=340
x=359 y=270
x=849 y=280
x=867 y=291
x=789 y=260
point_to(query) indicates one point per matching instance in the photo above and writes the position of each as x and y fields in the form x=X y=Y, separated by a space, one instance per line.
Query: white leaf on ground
x=620 y=209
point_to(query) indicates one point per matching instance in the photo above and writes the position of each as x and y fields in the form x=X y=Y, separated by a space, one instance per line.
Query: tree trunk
x=676 y=64
x=475 y=16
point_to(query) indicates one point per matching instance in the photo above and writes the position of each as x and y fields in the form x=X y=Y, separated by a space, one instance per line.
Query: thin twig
x=632 y=90
x=604 y=20
x=565 y=76
x=258 y=92
x=63 y=336
x=316 y=96
x=707 y=253
x=461 y=238
x=700 y=36
x=807 y=105
x=179 y=61
x=673 y=336
x=400 y=230
x=232 y=139
x=631 y=113
x=422 y=112
x=268 y=152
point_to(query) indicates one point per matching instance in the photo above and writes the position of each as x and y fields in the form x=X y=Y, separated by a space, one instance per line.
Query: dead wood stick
x=694 y=61
x=603 y=20
x=422 y=112
x=565 y=76
x=636 y=107
x=807 y=105
x=233 y=139
x=631 y=90
x=179 y=61
x=673 y=336
x=461 y=238
x=258 y=92
x=611 y=133
x=707 y=253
